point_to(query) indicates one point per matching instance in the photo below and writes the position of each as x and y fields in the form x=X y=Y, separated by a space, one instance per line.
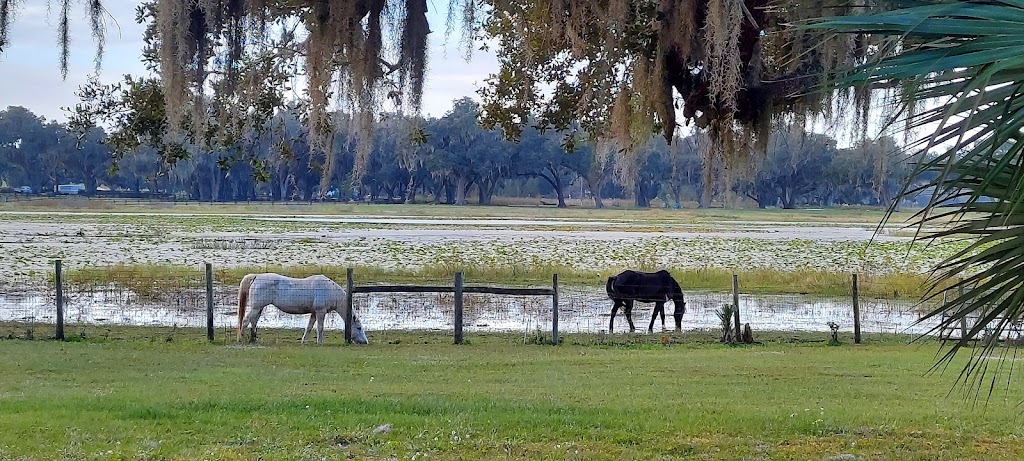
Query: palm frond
x=965 y=58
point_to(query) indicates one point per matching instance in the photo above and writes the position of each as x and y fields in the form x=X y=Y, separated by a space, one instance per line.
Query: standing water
x=581 y=311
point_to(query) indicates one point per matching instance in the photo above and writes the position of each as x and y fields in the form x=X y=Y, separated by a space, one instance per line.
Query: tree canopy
x=623 y=68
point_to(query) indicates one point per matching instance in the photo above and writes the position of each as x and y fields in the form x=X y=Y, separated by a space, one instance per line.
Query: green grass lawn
x=146 y=397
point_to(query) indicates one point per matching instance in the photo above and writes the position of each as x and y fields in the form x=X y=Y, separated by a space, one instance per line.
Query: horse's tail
x=243 y=300
x=609 y=288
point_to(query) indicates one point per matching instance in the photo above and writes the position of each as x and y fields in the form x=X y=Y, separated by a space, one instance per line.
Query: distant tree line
x=449 y=160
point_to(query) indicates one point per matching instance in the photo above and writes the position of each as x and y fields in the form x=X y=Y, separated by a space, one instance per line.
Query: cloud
x=30 y=71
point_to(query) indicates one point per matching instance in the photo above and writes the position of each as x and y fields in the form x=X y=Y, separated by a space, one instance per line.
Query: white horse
x=315 y=295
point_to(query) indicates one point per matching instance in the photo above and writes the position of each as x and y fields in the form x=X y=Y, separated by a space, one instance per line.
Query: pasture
x=811 y=251
x=416 y=396
x=143 y=392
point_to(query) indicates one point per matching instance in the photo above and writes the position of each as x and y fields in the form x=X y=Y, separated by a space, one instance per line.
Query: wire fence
x=182 y=301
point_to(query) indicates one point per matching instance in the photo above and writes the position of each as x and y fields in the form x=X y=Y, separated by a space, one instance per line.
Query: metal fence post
x=458 y=308
x=554 y=310
x=856 y=310
x=736 y=306
x=348 y=305
x=209 y=302
x=59 y=280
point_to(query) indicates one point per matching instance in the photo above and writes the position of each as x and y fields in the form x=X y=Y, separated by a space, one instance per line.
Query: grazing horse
x=315 y=295
x=657 y=287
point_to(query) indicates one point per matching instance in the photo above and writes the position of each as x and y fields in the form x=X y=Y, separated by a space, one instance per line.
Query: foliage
x=465 y=153
x=619 y=68
x=834 y=331
x=622 y=68
x=447 y=158
x=962 y=58
x=725 y=314
x=41 y=154
x=136 y=110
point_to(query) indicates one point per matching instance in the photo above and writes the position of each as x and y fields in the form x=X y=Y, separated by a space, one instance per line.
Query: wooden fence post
x=59 y=280
x=554 y=310
x=348 y=305
x=209 y=302
x=458 y=308
x=856 y=310
x=736 y=306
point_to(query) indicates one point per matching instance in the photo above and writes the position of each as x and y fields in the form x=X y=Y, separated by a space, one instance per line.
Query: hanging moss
x=625 y=67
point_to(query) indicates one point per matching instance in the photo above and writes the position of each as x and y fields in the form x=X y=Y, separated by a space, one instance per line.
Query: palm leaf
x=965 y=57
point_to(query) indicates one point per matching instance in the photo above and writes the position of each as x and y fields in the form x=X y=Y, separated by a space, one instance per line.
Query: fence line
x=192 y=298
x=458 y=289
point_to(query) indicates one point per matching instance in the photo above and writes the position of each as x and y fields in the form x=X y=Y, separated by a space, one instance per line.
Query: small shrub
x=725 y=314
x=538 y=337
x=834 y=327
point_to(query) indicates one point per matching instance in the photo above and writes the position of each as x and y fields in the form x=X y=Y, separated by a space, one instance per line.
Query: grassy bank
x=758 y=281
x=491 y=399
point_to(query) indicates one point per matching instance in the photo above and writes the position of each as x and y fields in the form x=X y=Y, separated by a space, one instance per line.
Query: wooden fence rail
x=438 y=289
x=458 y=289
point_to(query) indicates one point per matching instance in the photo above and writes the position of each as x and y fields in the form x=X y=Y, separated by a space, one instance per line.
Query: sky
x=30 y=66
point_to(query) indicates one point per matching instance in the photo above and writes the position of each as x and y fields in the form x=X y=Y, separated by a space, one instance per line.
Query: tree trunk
x=449 y=193
x=787 y=199
x=557 y=183
x=215 y=180
x=595 y=192
x=485 y=190
x=640 y=195
x=438 y=190
x=460 y=190
x=410 y=189
x=483 y=198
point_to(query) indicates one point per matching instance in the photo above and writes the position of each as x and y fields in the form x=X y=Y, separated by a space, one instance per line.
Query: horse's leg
x=658 y=307
x=251 y=318
x=309 y=327
x=611 y=322
x=320 y=327
x=629 y=315
x=252 y=330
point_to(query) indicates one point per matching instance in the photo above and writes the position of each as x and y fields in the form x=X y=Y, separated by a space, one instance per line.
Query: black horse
x=658 y=288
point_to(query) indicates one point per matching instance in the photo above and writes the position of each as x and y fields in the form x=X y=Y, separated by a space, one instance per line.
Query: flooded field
x=581 y=311
x=30 y=242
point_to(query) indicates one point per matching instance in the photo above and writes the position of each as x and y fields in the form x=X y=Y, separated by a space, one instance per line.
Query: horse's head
x=680 y=302
x=358 y=335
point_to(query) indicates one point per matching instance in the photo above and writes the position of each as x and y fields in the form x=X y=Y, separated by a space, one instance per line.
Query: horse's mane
x=676 y=289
